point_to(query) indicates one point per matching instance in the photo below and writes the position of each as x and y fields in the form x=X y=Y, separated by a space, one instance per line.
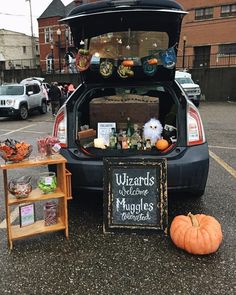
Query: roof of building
x=69 y=7
x=55 y=8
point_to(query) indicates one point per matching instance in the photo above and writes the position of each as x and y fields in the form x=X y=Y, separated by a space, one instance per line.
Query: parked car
x=123 y=38
x=192 y=89
x=18 y=100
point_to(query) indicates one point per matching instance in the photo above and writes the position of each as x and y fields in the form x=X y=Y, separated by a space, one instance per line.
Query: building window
x=227 y=49
x=204 y=13
x=228 y=10
x=48 y=35
x=24 y=49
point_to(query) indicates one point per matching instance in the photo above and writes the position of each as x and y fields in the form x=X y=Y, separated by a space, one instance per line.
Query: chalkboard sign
x=135 y=194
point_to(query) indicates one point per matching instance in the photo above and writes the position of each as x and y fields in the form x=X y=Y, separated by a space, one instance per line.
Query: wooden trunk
x=118 y=108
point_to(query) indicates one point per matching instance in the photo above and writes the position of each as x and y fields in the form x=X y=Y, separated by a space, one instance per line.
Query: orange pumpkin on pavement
x=196 y=234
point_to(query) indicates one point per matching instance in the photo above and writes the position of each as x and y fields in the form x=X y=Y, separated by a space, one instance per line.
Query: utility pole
x=32 y=33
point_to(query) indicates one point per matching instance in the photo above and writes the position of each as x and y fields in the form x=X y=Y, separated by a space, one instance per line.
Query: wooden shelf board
x=36 y=195
x=34 y=229
x=55 y=159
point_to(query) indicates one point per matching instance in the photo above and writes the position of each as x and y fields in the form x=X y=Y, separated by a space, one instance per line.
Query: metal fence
x=206 y=61
x=20 y=64
x=187 y=61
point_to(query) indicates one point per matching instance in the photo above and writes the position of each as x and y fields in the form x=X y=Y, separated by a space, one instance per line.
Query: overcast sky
x=15 y=14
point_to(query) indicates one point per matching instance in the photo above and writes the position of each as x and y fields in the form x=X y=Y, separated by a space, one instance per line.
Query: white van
x=193 y=90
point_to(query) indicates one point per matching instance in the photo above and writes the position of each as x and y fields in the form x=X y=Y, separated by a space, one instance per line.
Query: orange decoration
x=197 y=234
x=162 y=144
x=152 y=61
x=128 y=63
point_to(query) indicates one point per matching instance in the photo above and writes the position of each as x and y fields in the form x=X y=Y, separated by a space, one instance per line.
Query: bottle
x=148 y=145
x=119 y=137
x=125 y=142
x=129 y=129
x=139 y=145
x=112 y=139
x=135 y=137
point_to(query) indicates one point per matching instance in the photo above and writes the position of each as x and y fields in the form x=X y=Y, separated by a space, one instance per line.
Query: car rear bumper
x=187 y=171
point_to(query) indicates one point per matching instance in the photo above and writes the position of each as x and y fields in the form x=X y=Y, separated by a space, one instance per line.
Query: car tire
x=43 y=108
x=23 y=112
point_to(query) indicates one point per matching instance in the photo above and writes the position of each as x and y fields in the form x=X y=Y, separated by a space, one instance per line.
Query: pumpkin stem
x=194 y=220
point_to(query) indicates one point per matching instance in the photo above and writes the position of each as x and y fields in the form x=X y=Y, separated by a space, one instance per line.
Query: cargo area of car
x=126 y=110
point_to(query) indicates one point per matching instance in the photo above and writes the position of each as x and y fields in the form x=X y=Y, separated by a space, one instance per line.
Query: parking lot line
x=13 y=131
x=222 y=147
x=228 y=168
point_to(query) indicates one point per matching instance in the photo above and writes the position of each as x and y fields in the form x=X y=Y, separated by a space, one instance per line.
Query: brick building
x=54 y=37
x=208 y=37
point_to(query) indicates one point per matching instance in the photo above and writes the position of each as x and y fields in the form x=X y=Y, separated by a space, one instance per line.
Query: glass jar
x=20 y=187
x=47 y=182
x=50 y=213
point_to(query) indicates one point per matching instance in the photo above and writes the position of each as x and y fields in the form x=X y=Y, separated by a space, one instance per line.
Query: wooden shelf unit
x=15 y=232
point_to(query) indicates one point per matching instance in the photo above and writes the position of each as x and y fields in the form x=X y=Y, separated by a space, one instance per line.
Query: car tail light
x=60 y=127
x=195 y=131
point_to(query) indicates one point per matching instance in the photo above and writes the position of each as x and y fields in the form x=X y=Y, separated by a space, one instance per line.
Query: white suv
x=192 y=89
x=18 y=100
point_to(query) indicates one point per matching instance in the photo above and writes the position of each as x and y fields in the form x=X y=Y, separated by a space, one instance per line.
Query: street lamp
x=59 y=47
x=52 y=57
x=184 y=46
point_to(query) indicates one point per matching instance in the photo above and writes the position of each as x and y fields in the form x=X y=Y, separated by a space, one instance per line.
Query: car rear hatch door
x=136 y=22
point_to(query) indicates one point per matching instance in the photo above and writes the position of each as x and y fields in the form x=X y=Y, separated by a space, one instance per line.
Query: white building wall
x=16 y=49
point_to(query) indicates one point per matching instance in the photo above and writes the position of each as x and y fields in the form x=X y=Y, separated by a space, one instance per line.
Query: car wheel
x=43 y=108
x=24 y=113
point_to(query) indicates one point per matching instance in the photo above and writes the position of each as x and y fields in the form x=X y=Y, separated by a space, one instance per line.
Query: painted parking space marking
x=32 y=131
x=14 y=214
x=17 y=130
x=222 y=163
x=222 y=147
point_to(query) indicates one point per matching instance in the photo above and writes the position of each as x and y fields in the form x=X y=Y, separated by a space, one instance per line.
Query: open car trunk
x=126 y=109
x=126 y=61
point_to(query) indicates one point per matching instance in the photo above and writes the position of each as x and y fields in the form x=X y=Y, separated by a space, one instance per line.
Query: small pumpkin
x=128 y=63
x=196 y=234
x=162 y=144
x=152 y=61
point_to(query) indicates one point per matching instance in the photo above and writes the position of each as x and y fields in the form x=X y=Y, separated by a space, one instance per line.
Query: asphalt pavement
x=92 y=262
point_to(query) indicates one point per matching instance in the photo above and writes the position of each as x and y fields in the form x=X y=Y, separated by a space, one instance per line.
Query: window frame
x=231 y=11
x=48 y=35
x=203 y=13
x=227 y=49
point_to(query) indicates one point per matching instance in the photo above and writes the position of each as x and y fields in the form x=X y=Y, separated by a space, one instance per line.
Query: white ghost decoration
x=152 y=130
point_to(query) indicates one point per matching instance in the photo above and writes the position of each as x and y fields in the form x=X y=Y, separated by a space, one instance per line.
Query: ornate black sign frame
x=135 y=195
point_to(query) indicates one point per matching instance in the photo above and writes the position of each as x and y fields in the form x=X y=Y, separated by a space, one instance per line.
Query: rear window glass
x=185 y=80
x=128 y=44
x=11 y=90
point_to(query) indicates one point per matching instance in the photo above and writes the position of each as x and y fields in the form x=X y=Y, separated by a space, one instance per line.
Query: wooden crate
x=117 y=109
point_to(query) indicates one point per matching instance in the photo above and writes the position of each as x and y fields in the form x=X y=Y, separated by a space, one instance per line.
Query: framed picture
x=27 y=214
x=104 y=130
